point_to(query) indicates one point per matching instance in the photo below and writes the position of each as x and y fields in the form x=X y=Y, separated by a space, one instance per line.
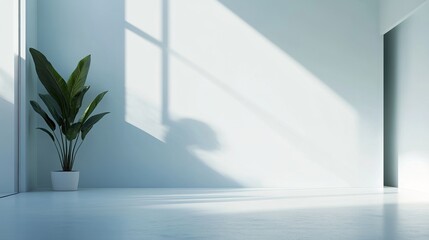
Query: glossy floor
x=216 y=214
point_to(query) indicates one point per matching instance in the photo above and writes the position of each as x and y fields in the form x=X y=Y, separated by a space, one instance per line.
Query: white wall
x=223 y=93
x=393 y=12
x=7 y=97
x=408 y=68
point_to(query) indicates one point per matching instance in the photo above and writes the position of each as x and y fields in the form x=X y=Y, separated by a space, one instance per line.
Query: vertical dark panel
x=390 y=110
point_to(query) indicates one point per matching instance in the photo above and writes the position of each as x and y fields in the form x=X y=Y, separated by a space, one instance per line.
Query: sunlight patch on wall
x=143 y=86
x=277 y=123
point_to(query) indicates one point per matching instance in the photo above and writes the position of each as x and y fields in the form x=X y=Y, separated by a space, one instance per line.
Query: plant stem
x=66 y=156
x=63 y=148
x=74 y=152
x=80 y=144
x=70 y=155
x=60 y=156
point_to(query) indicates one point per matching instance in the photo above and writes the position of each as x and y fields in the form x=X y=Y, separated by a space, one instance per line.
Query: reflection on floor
x=216 y=214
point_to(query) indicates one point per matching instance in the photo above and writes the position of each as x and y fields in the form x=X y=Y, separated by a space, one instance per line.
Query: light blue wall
x=408 y=71
x=223 y=93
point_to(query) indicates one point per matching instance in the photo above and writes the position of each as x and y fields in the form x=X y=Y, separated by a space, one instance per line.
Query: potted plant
x=63 y=102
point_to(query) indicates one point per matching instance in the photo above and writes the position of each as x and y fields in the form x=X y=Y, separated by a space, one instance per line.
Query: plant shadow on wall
x=174 y=161
x=180 y=159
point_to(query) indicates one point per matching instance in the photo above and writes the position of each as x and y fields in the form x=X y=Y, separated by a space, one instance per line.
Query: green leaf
x=51 y=80
x=86 y=126
x=72 y=131
x=76 y=103
x=65 y=127
x=47 y=132
x=77 y=100
x=53 y=107
x=77 y=79
x=43 y=114
x=92 y=106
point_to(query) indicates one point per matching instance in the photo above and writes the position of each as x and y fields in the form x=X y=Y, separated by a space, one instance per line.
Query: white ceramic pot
x=65 y=181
